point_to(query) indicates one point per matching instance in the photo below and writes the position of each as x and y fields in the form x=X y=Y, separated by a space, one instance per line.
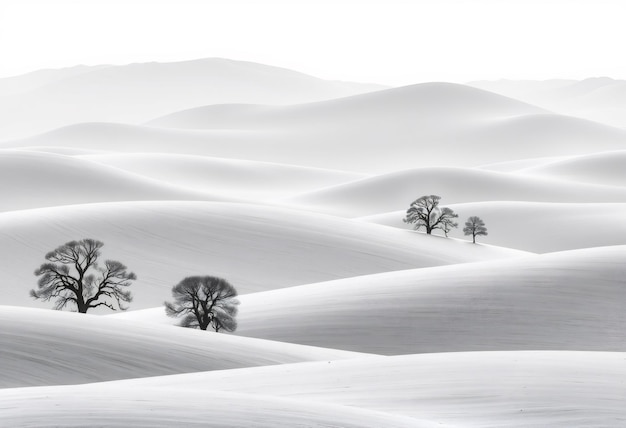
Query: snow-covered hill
x=256 y=248
x=43 y=347
x=294 y=189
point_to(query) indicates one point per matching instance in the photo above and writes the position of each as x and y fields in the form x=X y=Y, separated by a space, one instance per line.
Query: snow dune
x=607 y=168
x=45 y=347
x=33 y=180
x=559 y=134
x=539 y=227
x=90 y=405
x=420 y=104
x=377 y=132
x=568 y=301
x=599 y=99
x=256 y=248
x=396 y=191
x=486 y=389
x=243 y=179
x=276 y=181
x=114 y=138
x=516 y=165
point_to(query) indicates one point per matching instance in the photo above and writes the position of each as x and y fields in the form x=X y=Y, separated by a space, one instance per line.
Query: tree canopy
x=425 y=212
x=475 y=226
x=204 y=301
x=73 y=278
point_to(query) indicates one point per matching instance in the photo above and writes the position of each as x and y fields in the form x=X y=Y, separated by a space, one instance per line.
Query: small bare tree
x=475 y=226
x=72 y=277
x=425 y=212
x=204 y=301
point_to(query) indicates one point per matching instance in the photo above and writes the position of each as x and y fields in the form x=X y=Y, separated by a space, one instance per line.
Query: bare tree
x=204 y=301
x=475 y=226
x=425 y=212
x=72 y=277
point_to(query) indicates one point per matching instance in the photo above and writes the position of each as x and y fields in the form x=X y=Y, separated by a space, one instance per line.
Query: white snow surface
x=257 y=248
x=30 y=179
x=414 y=126
x=541 y=227
x=275 y=181
x=43 y=347
x=90 y=405
x=568 y=300
x=395 y=191
x=598 y=98
x=229 y=177
x=606 y=168
x=458 y=389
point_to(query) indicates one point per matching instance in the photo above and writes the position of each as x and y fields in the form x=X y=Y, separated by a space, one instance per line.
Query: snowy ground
x=294 y=189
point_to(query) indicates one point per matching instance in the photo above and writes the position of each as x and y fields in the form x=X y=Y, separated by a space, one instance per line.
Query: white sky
x=393 y=42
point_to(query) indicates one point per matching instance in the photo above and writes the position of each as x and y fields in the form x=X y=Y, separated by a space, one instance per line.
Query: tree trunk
x=204 y=322
x=80 y=301
x=473 y=238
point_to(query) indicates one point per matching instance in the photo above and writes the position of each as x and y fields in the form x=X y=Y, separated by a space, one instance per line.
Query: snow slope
x=34 y=180
x=256 y=248
x=389 y=130
x=397 y=190
x=600 y=99
x=539 y=227
x=275 y=180
x=44 y=347
x=90 y=405
x=606 y=168
x=426 y=104
x=243 y=179
x=486 y=389
x=568 y=301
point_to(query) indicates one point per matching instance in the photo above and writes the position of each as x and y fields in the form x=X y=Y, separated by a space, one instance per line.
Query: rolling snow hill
x=600 y=99
x=606 y=168
x=243 y=179
x=44 y=347
x=486 y=389
x=539 y=227
x=396 y=191
x=567 y=301
x=256 y=248
x=31 y=179
x=389 y=130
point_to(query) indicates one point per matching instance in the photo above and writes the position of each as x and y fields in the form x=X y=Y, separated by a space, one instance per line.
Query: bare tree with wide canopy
x=73 y=278
x=204 y=301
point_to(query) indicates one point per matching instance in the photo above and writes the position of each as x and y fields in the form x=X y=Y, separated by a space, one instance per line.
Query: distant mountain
x=134 y=93
x=36 y=79
x=600 y=99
